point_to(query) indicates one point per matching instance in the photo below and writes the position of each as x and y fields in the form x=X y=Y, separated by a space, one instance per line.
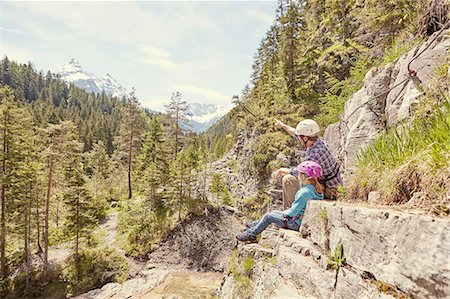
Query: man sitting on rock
x=316 y=150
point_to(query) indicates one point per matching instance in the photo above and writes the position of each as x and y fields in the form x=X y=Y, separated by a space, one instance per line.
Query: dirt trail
x=110 y=227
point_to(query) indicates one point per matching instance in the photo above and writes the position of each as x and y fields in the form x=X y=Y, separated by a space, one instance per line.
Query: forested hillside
x=314 y=57
x=67 y=156
x=96 y=116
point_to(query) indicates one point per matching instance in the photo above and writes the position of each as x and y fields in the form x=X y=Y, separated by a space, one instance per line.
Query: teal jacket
x=307 y=192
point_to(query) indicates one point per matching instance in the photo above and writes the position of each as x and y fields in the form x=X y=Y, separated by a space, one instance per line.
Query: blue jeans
x=275 y=217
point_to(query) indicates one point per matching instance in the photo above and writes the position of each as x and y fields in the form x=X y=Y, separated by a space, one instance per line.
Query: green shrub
x=255 y=206
x=247 y=265
x=140 y=227
x=268 y=146
x=260 y=162
x=338 y=260
x=233 y=262
x=51 y=286
x=58 y=235
x=400 y=47
x=339 y=91
x=221 y=190
x=97 y=267
x=241 y=275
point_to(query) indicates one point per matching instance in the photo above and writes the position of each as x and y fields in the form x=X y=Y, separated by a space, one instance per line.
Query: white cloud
x=122 y=22
x=157 y=57
x=9 y=30
x=161 y=63
x=154 y=51
x=265 y=18
x=209 y=94
x=15 y=53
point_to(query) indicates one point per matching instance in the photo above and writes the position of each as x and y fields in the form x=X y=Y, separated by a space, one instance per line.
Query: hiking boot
x=246 y=237
x=251 y=223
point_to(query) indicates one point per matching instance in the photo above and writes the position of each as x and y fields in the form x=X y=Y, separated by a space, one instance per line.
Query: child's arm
x=299 y=204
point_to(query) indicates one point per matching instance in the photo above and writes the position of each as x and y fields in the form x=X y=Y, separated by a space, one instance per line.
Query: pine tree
x=290 y=25
x=99 y=161
x=130 y=135
x=153 y=166
x=17 y=171
x=178 y=178
x=99 y=167
x=57 y=135
x=179 y=111
x=217 y=186
x=26 y=190
x=76 y=196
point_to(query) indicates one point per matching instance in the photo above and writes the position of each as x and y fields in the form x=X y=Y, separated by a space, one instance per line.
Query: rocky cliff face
x=232 y=167
x=236 y=170
x=388 y=254
x=384 y=100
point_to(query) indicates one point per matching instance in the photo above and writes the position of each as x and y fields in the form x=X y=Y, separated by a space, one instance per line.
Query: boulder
x=405 y=250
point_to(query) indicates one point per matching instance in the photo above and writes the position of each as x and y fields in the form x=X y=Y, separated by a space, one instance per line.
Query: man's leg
x=290 y=187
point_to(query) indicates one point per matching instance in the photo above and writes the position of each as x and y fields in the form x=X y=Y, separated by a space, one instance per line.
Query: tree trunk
x=3 y=275
x=57 y=213
x=47 y=210
x=77 y=256
x=204 y=184
x=129 y=166
x=27 y=245
x=38 y=227
x=176 y=133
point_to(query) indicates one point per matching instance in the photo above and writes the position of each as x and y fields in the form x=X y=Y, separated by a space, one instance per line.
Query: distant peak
x=73 y=73
x=73 y=66
x=74 y=61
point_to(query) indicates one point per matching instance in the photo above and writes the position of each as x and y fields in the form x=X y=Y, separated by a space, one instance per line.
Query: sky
x=203 y=49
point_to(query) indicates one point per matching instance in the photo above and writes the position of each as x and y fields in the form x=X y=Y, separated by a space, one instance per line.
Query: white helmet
x=307 y=127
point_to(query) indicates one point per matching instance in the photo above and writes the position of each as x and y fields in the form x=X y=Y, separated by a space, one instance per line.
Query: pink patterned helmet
x=311 y=168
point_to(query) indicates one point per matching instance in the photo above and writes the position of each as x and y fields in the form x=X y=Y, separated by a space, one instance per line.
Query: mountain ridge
x=204 y=115
x=74 y=73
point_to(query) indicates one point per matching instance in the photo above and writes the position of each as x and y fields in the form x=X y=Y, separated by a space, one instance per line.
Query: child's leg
x=291 y=224
x=275 y=217
x=288 y=223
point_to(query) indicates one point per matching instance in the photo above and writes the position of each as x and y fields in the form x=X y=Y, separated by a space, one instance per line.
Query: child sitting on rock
x=291 y=218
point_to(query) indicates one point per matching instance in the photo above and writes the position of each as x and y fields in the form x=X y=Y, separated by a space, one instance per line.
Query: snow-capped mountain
x=205 y=115
x=73 y=73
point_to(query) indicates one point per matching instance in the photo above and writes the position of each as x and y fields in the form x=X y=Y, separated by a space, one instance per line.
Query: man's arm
x=287 y=128
x=282 y=171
